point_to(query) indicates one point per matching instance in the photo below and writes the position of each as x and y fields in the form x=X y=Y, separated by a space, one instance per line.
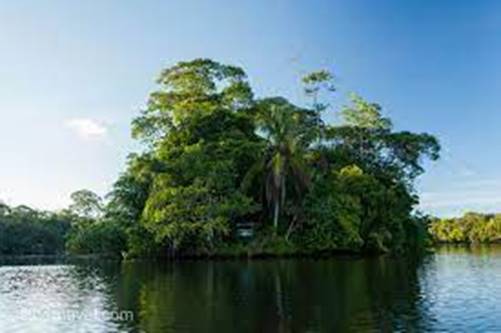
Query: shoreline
x=68 y=258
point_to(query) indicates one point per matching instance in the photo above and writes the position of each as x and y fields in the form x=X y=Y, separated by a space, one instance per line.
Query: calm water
x=454 y=290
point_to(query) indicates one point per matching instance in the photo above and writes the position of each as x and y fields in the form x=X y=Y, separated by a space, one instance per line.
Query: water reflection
x=272 y=296
x=453 y=290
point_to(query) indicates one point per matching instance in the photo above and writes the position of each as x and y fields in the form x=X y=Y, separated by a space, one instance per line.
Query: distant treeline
x=470 y=228
x=26 y=231
x=82 y=228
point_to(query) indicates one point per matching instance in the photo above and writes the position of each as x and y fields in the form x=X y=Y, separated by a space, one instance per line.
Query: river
x=455 y=289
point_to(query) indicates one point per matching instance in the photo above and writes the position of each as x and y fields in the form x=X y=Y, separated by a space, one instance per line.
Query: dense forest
x=470 y=228
x=79 y=229
x=225 y=173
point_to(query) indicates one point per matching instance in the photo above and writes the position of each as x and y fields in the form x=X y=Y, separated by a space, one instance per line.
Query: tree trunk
x=276 y=214
x=281 y=200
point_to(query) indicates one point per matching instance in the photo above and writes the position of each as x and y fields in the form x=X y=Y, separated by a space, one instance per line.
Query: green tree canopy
x=86 y=204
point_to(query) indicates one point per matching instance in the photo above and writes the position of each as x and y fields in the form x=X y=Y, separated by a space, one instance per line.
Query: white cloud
x=87 y=128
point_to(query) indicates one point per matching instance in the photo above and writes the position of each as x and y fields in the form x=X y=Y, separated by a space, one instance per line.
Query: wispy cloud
x=87 y=129
x=466 y=199
x=458 y=186
x=478 y=195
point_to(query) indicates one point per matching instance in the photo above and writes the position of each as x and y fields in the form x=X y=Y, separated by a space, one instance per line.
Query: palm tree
x=288 y=133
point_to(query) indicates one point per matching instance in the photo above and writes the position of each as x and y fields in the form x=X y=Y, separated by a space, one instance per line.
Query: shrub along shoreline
x=215 y=158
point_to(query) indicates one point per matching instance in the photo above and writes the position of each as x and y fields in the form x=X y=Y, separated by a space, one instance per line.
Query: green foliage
x=363 y=114
x=190 y=217
x=91 y=231
x=418 y=237
x=96 y=237
x=470 y=228
x=350 y=209
x=203 y=150
x=126 y=203
x=314 y=84
x=190 y=89
x=288 y=133
x=225 y=158
x=367 y=139
x=86 y=204
x=332 y=215
x=24 y=231
x=266 y=243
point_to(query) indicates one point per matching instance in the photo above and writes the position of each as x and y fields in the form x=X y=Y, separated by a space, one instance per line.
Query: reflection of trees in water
x=103 y=278
x=270 y=296
x=395 y=294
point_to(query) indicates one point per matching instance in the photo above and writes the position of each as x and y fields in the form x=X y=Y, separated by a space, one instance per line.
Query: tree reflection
x=270 y=295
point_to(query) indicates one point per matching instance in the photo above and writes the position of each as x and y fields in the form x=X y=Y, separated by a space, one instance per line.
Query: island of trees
x=223 y=173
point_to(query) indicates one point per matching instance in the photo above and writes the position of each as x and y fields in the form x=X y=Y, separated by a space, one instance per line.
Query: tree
x=288 y=131
x=381 y=193
x=86 y=204
x=362 y=114
x=469 y=228
x=4 y=209
x=316 y=83
x=367 y=139
x=26 y=231
x=190 y=89
x=203 y=129
x=199 y=129
x=126 y=202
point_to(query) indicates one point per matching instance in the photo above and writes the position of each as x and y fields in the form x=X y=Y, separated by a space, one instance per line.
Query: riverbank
x=227 y=254
x=54 y=259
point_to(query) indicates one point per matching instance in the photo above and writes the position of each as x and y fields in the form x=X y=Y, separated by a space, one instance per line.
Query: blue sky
x=73 y=75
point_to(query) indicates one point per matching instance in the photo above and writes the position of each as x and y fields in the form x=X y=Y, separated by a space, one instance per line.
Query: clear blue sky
x=73 y=75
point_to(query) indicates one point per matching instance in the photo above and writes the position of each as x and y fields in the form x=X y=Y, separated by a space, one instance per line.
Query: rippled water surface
x=457 y=289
